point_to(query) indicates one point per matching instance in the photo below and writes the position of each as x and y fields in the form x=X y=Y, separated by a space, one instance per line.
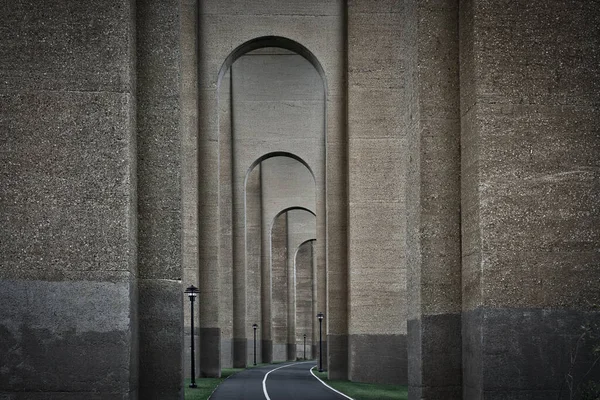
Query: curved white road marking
x=275 y=369
x=337 y=391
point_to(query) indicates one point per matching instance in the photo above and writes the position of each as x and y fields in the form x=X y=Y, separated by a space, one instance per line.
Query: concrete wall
x=305 y=319
x=301 y=228
x=530 y=140
x=254 y=260
x=68 y=201
x=377 y=163
x=159 y=198
x=279 y=289
x=189 y=176
x=433 y=236
x=317 y=26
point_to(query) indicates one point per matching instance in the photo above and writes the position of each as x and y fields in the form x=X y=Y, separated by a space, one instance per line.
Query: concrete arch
x=291 y=209
x=272 y=41
x=279 y=154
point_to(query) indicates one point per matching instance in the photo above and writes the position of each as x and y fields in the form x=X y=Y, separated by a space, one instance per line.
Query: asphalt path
x=291 y=381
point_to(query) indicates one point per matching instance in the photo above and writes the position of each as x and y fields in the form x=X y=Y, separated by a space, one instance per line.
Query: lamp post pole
x=254 y=326
x=192 y=292
x=305 y=346
x=320 y=317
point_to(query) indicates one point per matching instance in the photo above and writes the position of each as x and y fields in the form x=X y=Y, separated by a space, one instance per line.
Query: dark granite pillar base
x=291 y=351
x=337 y=352
x=210 y=352
x=160 y=339
x=527 y=353
x=239 y=352
x=378 y=359
x=435 y=357
x=267 y=351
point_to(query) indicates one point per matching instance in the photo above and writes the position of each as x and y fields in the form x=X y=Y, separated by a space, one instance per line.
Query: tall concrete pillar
x=377 y=152
x=279 y=299
x=253 y=262
x=302 y=226
x=210 y=277
x=189 y=169
x=304 y=299
x=266 y=288
x=433 y=203
x=314 y=325
x=226 y=221
x=68 y=208
x=159 y=198
x=530 y=89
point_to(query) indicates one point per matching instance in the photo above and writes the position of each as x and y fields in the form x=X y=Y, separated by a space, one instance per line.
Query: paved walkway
x=291 y=381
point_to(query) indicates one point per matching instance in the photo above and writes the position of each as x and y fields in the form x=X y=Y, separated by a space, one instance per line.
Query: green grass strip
x=207 y=385
x=366 y=391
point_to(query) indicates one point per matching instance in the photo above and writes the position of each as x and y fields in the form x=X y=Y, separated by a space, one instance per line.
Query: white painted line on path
x=337 y=391
x=275 y=369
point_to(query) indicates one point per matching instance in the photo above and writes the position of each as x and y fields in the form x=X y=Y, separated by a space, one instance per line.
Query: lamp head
x=320 y=316
x=192 y=292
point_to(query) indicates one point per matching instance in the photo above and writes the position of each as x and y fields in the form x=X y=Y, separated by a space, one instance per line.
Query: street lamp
x=305 y=346
x=192 y=292
x=320 y=316
x=255 y=327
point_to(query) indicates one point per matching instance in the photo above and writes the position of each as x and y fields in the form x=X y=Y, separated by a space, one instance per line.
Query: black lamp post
x=320 y=316
x=255 y=327
x=192 y=292
x=305 y=346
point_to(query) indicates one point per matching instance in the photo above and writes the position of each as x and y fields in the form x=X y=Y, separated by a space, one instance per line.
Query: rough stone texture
x=301 y=228
x=161 y=338
x=44 y=341
x=189 y=166
x=377 y=163
x=276 y=105
x=226 y=225
x=378 y=358
x=68 y=268
x=279 y=287
x=266 y=347
x=240 y=351
x=529 y=185
x=433 y=220
x=434 y=354
x=319 y=27
x=514 y=347
x=337 y=363
x=210 y=350
x=253 y=258
x=286 y=184
x=160 y=211
x=304 y=297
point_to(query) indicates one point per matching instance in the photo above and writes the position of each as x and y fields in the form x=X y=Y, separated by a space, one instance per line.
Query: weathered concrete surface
x=285 y=183
x=529 y=183
x=377 y=163
x=279 y=289
x=253 y=260
x=304 y=298
x=160 y=214
x=301 y=228
x=318 y=27
x=225 y=223
x=277 y=104
x=189 y=167
x=68 y=268
x=433 y=203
